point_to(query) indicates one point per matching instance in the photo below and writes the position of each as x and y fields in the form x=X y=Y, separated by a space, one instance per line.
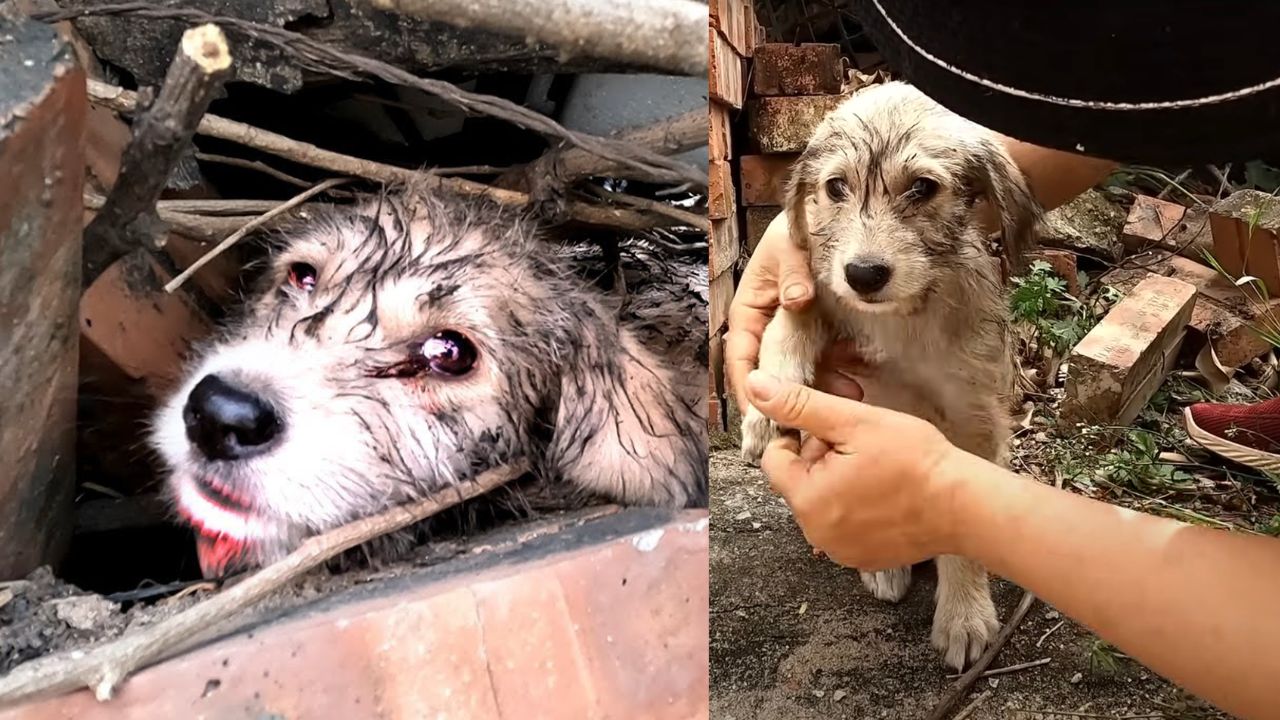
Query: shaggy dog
x=885 y=200
x=402 y=346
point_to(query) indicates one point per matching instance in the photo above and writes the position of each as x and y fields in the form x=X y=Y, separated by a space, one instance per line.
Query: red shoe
x=1247 y=434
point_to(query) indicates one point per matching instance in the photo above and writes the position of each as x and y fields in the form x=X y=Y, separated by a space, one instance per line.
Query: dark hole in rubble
x=123 y=560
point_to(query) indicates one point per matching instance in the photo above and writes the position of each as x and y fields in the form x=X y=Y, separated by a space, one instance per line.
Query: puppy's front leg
x=788 y=350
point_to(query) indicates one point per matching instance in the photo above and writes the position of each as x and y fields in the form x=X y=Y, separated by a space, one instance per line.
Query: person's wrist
x=958 y=481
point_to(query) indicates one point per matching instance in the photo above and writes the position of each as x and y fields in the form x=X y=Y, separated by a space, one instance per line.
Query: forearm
x=1195 y=605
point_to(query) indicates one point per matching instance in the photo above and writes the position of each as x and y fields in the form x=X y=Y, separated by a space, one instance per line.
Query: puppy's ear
x=800 y=188
x=627 y=426
x=1006 y=188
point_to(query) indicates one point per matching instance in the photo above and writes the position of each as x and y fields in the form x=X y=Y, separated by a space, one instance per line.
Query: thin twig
x=320 y=57
x=261 y=167
x=966 y=681
x=968 y=709
x=684 y=216
x=249 y=227
x=667 y=35
x=1049 y=632
x=1016 y=668
x=161 y=134
x=105 y=666
x=199 y=227
x=126 y=101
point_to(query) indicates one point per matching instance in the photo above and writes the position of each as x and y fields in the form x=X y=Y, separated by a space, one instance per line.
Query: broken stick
x=104 y=667
x=128 y=219
x=126 y=101
x=668 y=35
x=966 y=681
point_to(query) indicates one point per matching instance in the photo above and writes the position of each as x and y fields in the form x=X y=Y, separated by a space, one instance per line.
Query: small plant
x=1104 y=659
x=1040 y=300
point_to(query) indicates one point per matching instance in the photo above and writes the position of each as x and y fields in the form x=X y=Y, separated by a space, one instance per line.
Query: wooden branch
x=966 y=681
x=105 y=666
x=668 y=137
x=128 y=218
x=683 y=216
x=669 y=35
x=126 y=101
x=318 y=56
x=198 y=227
x=276 y=211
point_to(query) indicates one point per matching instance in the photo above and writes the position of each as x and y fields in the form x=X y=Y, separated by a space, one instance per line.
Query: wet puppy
x=885 y=199
x=402 y=346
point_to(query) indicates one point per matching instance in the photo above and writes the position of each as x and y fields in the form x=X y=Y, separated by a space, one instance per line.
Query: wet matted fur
x=332 y=345
x=885 y=198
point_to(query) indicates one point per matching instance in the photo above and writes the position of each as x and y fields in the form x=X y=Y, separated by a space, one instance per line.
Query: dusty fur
x=560 y=380
x=892 y=179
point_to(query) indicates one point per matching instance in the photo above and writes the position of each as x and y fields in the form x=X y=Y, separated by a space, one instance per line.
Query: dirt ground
x=794 y=636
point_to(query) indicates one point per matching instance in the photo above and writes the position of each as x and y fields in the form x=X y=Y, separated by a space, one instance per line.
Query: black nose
x=867 y=278
x=227 y=423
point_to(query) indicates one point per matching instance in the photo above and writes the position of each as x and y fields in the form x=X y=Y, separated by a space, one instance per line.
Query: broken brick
x=785 y=124
x=764 y=178
x=726 y=71
x=786 y=69
x=1089 y=225
x=758 y=219
x=1244 y=228
x=721 y=292
x=42 y=122
x=725 y=245
x=1154 y=223
x=1120 y=364
x=720 y=190
x=735 y=19
x=719 y=135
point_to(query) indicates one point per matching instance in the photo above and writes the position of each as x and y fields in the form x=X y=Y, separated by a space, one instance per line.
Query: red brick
x=758 y=219
x=1120 y=364
x=786 y=69
x=1064 y=265
x=719 y=133
x=785 y=124
x=1244 y=228
x=726 y=71
x=715 y=382
x=42 y=123
x=720 y=190
x=735 y=19
x=721 y=291
x=726 y=246
x=1151 y=222
x=764 y=178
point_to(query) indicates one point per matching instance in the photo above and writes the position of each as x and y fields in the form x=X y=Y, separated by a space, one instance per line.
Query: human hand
x=777 y=274
x=867 y=487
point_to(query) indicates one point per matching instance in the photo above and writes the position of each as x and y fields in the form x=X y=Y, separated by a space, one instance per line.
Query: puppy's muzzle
x=867 y=278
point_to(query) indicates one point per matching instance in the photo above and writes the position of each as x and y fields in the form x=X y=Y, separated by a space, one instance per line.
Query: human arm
x=875 y=489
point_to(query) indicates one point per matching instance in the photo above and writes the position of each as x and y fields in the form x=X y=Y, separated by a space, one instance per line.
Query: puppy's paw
x=963 y=626
x=757 y=432
x=888 y=585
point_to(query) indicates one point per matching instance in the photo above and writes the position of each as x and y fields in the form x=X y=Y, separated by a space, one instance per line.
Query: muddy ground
x=795 y=637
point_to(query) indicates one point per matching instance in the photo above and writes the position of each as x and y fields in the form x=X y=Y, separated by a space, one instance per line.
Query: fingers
x=783 y=465
x=813 y=449
x=830 y=418
x=741 y=355
x=795 y=283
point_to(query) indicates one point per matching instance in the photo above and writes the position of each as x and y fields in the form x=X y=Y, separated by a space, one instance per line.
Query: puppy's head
x=397 y=349
x=884 y=198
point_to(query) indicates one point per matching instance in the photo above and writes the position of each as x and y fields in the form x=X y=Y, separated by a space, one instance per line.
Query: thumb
x=792 y=405
x=795 y=283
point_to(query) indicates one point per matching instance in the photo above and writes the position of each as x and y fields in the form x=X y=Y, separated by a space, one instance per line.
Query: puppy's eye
x=837 y=189
x=448 y=352
x=302 y=276
x=922 y=189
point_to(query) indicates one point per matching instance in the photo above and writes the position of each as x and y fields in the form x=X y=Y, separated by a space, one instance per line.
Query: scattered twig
x=147 y=592
x=667 y=35
x=105 y=666
x=669 y=137
x=249 y=227
x=968 y=709
x=654 y=206
x=199 y=227
x=320 y=57
x=126 y=101
x=1049 y=632
x=128 y=218
x=966 y=681
x=1016 y=668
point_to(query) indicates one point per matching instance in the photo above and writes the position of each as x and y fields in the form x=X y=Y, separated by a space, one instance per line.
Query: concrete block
x=1089 y=225
x=764 y=178
x=1120 y=364
x=43 y=108
x=786 y=69
x=785 y=124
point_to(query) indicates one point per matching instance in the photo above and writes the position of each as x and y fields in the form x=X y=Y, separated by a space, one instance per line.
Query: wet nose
x=867 y=278
x=228 y=423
